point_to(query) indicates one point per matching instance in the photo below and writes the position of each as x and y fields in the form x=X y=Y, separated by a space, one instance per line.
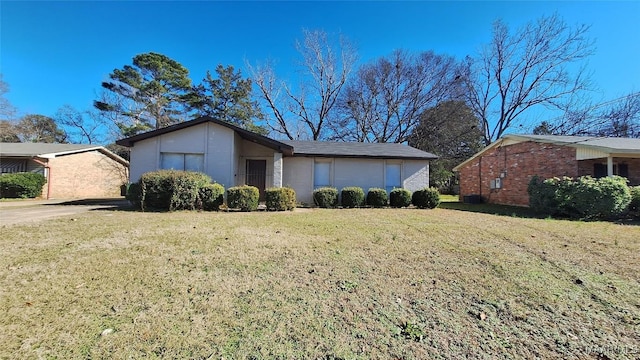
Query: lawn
x=314 y=283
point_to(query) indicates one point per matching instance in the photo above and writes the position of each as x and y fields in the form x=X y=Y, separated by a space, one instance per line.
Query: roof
x=298 y=148
x=608 y=145
x=245 y=134
x=45 y=150
x=358 y=150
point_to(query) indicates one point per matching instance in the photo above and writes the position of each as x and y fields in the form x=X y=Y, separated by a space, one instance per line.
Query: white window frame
x=393 y=186
x=183 y=165
x=328 y=162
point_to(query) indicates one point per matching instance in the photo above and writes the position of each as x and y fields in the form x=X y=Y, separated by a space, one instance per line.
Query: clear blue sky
x=56 y=53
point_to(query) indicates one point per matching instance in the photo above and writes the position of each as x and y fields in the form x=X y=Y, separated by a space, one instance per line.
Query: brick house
x=71 y=170
x=500 y=173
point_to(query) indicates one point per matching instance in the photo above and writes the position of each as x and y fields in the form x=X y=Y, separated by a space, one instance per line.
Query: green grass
x=352 y=284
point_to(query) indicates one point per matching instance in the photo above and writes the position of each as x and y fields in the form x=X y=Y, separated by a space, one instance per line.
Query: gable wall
x=519 y=163
x=215 y=142
x=89 y=174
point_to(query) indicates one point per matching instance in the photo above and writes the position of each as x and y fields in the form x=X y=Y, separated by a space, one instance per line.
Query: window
x=321 y=174
x=600 y=170
x=179 y=161
x=392 y=176
x=9 y=166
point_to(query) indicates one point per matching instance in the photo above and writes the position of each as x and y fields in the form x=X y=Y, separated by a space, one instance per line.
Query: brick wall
x=86 y=175
x=518 y=163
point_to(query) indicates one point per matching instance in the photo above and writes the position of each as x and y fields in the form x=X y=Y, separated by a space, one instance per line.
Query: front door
x=256 y=175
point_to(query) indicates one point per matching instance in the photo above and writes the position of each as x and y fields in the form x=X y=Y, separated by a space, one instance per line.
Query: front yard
x=331 y=284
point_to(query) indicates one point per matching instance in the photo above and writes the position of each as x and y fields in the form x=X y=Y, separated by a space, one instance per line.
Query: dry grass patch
x=362 y=283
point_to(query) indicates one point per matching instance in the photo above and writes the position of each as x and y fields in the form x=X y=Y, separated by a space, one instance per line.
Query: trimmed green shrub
x=211 y=197
x=21 y=185
x=280 y=199
x=427 y=198
x=134 y=195
x=171 y=189
x=325 y=197
x=634 y=204
x=352 y=197
x=584 y=198
x=377 y=197
x=244 y=197
x=399 y=198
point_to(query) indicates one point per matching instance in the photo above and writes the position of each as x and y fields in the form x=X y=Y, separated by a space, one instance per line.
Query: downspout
x=480 y=176
x=48 y=171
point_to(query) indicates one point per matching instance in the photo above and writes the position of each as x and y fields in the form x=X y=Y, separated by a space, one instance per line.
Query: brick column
x=277 y=169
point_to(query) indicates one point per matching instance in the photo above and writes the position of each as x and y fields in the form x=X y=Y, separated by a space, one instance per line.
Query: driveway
x=27 y=211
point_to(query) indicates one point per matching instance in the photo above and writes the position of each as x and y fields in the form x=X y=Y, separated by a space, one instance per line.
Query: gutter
x=46 y=166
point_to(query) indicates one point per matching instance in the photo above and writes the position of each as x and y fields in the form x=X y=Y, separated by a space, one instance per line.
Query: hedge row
x=351 y=197
x=21 y=185
x=583 y=198
x=182 y=190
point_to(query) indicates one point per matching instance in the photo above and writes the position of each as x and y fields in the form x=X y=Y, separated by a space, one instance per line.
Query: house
x=500 y=173
x=234 y=156
x=71 y=170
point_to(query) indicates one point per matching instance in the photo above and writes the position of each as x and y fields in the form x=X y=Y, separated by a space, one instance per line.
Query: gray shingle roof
x=35 y=149
x=607 y=144
x=52 y=150
x=351 y=149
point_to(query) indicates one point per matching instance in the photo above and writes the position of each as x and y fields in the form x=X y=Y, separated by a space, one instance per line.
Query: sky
x=55 y=53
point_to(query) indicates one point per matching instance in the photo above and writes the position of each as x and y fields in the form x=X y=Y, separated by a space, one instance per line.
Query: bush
x=21 y=185
x=244 y=198
x=377 y=197
x=399 y=198
x=352 y=197
x=280 y=199
x=211 y=197
x=634 y=205
x=325 y=197
x=427 y=198
x=134 y=195
x=171 y=189
x=585 y=197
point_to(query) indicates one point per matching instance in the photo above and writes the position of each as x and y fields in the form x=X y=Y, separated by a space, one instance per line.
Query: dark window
x=600 y=170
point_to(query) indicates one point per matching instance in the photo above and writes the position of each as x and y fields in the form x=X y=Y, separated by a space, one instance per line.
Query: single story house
x=500 y=173
x=233 y=156
x=71 y=170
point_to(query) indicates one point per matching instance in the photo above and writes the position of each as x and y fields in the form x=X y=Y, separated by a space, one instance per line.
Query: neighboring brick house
x=500 y=173
x=71 y=170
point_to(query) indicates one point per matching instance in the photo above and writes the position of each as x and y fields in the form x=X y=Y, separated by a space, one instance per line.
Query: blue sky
x=56 y=53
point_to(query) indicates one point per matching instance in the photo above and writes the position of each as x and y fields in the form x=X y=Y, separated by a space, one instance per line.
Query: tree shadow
x=106 y=204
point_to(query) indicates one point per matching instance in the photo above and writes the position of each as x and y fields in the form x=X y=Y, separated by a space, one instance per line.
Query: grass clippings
x=333 y=284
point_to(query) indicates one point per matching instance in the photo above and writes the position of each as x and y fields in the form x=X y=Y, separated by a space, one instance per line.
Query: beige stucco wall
x=216 y=142
x=89 y=174
x=297 y=173
x=365 y=173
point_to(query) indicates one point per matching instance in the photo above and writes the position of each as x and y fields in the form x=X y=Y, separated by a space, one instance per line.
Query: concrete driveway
x=27 y=211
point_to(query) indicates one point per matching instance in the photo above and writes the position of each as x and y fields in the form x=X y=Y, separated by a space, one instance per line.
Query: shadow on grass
x=493 y=209
x=109 y=204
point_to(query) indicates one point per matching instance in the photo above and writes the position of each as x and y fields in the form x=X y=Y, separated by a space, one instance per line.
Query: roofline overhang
x=243 y=133
x=362 y=156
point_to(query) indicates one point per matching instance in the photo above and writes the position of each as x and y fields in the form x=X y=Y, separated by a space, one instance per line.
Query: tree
x=7 y=110
x=528 y=68
x=82 y=127
x=148 y=95
x=305 y=111
x=382 y=103
x=615 y=118
x=40 y=129
x=227 y=98
x=9 y=132
x=451 y=131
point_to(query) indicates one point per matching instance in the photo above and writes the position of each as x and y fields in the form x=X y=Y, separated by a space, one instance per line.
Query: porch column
x=609 y=166
x=277 y=169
